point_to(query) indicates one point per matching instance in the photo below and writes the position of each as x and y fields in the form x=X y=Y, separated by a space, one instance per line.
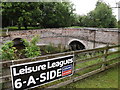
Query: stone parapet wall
x=62 y=35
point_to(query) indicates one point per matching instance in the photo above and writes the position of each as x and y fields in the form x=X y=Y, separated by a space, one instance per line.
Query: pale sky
x=85 y=6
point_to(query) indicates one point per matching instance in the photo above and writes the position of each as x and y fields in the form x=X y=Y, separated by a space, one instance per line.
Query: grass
x=106 y=79
x=22 y=28
x=12 y=28
x=74 y=27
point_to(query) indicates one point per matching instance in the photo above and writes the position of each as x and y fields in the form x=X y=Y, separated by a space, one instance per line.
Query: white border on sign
x=42 y=61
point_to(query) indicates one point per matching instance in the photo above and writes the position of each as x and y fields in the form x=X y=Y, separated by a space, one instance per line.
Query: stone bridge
x=80 y=38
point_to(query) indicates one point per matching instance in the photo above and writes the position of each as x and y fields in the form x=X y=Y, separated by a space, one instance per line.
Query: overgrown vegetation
x=9 y=52
x=52 y=49
x=31 y=49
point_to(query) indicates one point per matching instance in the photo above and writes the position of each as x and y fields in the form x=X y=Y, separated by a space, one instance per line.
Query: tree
x=57 y=14
x=20 y=13
x=102 y=16
x=6 y=14
x=119 y=24
x=47 y=14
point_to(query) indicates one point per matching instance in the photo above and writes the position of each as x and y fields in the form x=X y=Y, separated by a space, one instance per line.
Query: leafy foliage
x=57 y=14
x=51 y=49
x=22 y=13
x=100 y=17
x=119 y=24
x=31 y=49
x=47 y=14
x=8 y=51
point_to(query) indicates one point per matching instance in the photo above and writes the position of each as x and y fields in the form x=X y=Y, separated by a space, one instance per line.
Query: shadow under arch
x=76 y=45
x=18 y=43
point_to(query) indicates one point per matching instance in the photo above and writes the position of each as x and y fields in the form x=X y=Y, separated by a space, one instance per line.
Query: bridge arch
x=18 y=43
x=76 y=44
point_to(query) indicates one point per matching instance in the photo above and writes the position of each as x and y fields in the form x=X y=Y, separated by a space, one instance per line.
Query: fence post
x=7 y=31
x=105 y=57
x=74 y=61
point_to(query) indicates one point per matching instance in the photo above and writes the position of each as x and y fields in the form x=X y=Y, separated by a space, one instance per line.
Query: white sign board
x=37 y=73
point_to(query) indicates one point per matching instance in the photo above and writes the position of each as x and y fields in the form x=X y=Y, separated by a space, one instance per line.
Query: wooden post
x=94 y=38
x=74 y=61
x=7 y=31
x=105 y=57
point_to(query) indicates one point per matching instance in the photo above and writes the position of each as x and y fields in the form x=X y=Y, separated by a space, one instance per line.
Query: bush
x=8 y=52
x=51 y=49
x=119 y=24
x=31 y=49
